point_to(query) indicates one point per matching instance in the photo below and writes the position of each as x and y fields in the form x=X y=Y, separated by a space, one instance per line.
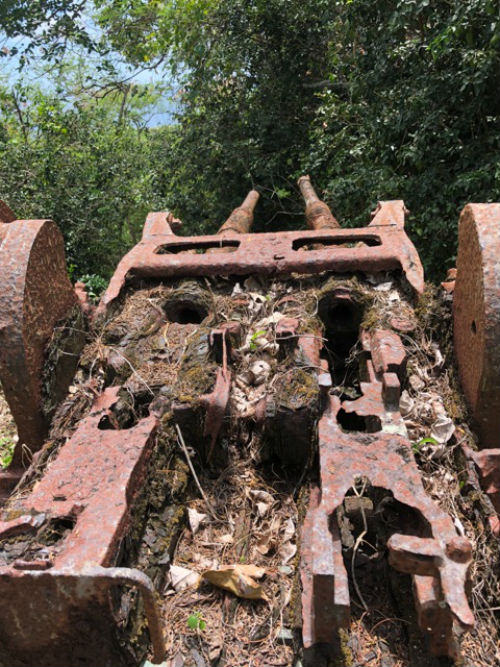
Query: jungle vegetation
x=376 y=100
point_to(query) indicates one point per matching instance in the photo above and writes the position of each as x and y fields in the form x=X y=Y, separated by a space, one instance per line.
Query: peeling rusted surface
x=381 y=246
x=449 y=283
x=433 y=616
x=93 y=482
x=318 y=214
x=36 y=294
x=388 y=355
x=83 y=298
x=215 y=403
x=75 y=630
x=487 y=462
x=383 y=457
x=160 y=223
x=241 y=219
x=476 y=311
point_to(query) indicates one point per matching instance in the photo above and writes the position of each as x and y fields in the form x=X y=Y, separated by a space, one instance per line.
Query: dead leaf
x=289 y=530
x=264 y=501
x=406 y=403
x=263 y=542
x=442 y=429
x=195 y=519
x=238 y=579
x=416 y=383
x=180 y=578
x=216 y=643
x=394 y=296
x=438 y=357
x=383 y=287
x=259 y=372
x=287 y=552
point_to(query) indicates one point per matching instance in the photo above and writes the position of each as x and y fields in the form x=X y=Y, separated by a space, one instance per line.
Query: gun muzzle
x=318 y=215
x=241 y=219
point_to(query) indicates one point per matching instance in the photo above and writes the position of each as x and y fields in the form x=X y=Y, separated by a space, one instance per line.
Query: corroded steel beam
x=97 y=478
x=241 y=219
x=431 y=551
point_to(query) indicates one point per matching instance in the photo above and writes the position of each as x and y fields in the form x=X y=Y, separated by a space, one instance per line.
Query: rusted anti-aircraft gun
x=94 y=482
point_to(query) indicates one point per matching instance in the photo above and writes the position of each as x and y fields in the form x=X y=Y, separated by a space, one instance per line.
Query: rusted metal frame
x=6 y=216
x=439 y=563
x=160 y=223
x=487 y=464
x=93 y=582
x=217 y=401
x=272 y=253
x=95 y=470
x=435 y=622
x=286 y=422
x=241 y=219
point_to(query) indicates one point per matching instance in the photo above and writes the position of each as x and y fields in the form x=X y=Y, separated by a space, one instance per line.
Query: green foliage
x=95 y=285
x=376 y=100
x=85 y=162
x=49 y=26
x=424 y=441
x=412 y=113
x=253 y=338
x=195 y=621
x=249 y=75
x=7 y=446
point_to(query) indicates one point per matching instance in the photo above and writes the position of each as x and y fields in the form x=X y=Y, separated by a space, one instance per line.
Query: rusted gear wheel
x=476 y=312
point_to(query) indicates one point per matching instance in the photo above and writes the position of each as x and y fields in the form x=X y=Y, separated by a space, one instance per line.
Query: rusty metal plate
x=35 y=294
x=91 y=486
x=476 y=312
x=430 y=550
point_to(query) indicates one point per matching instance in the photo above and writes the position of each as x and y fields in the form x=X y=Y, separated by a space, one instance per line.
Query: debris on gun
x=266 y=361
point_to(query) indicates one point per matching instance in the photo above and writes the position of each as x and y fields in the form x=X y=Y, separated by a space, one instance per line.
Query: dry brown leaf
x=181 y=578
x=406 y=403
x=264 y=501
x=195 y=519
x=416 y=383
x=287 y=552
x=289 y=530
x=263 y=542
x=238 y=579
x=443 y=429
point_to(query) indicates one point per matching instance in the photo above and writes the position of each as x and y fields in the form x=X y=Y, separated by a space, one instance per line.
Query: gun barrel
x=241 y=219
x=318 y=215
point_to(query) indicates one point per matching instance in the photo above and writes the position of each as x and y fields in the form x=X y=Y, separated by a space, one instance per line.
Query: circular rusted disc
x=476 y=311
x=35 y=293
